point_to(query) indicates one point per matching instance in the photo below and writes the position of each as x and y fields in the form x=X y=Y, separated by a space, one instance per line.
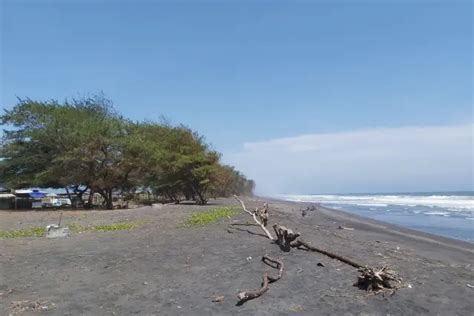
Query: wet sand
x=163 y=268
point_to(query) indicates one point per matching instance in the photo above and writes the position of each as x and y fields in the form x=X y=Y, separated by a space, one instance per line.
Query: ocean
x=449 y=214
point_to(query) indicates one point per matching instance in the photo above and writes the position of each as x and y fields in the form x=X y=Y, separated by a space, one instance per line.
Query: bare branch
x=244 y=296
x=279 y=266
x=305 y=245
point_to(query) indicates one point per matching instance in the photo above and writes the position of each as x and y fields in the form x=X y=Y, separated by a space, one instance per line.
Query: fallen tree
x=375 y=280
x=370 y=279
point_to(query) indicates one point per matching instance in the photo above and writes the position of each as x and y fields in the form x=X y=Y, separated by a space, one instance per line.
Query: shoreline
x=400 y=226
x=385 y=227
x=162 y=267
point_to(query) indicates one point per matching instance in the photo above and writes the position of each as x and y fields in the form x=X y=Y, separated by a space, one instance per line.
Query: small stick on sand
x=345 y=228
x=254 y=215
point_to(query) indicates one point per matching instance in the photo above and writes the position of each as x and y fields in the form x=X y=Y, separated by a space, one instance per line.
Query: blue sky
x=249 y=72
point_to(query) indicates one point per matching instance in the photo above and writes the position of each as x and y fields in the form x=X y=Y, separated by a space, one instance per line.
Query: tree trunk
x=91 y=198
x=201 y=200
x=109 y=199
x=79 y=193
x=69 y=196
x=107 y=195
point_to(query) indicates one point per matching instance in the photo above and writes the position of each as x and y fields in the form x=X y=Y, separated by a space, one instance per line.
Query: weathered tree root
x=285 y=237
x=371 y=279
x=245 y=296
x=259 y=216
x=378 y=280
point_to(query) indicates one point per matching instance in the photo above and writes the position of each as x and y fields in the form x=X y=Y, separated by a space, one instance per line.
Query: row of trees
x=86 y=146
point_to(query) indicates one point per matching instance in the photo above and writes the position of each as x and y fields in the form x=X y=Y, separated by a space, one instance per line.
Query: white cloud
x=373 y=160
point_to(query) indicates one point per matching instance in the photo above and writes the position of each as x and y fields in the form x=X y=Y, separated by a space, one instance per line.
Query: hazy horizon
x=372 y=160
x=301 y=96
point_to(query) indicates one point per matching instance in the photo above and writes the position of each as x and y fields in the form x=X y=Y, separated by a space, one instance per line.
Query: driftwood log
x=257 y=216
x=376 y=280
x=307 y=246
x=247 y=295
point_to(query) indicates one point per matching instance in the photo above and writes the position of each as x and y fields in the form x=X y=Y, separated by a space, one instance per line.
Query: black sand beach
x=163 y=268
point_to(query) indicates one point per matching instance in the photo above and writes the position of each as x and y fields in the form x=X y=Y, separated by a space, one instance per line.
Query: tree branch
x=305 y=245
x=279 y=265
x=244 y=296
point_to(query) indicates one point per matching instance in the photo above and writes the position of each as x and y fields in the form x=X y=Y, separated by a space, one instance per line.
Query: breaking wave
x=445 y=201
x=445 y=214
x=441 y=205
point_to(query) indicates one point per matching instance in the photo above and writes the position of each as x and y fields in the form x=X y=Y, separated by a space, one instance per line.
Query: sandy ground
x=163 y=268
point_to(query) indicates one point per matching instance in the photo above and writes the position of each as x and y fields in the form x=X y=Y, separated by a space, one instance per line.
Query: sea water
x=449 y=214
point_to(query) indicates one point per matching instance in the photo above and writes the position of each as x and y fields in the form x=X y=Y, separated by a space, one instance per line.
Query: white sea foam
x=443 y=214
x=453 y=203
x=437 y=213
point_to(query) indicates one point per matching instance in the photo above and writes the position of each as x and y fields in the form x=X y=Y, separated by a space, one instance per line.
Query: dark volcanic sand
x=164 y=269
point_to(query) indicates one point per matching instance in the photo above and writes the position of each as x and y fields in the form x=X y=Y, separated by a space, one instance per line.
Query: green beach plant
x=73 y=228
x=20 y=233
x=210 y=216
x=116 y=226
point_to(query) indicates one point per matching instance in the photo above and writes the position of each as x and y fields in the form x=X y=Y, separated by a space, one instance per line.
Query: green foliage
x=73 y=228
x=115 y=227
x=210 y=216
x=226 y=181
x=19 y=233
x=84 y=145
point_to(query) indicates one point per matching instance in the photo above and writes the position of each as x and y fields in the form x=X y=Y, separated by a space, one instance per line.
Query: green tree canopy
x=85 y=145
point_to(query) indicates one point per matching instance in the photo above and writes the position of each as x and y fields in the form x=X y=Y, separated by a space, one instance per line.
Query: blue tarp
x=37 y=195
